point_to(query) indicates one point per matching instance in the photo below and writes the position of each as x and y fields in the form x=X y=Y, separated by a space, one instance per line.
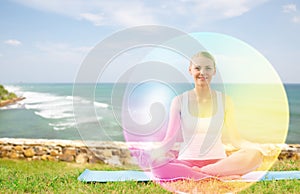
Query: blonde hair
x=203 y=54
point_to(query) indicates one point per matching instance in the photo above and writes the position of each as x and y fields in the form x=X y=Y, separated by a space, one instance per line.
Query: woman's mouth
x=202 y=78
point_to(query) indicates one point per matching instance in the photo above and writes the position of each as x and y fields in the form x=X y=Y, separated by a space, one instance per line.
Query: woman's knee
x=253 y=156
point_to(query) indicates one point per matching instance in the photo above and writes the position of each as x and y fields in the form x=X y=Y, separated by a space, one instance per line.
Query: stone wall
x=113 y=153
x=291 y=151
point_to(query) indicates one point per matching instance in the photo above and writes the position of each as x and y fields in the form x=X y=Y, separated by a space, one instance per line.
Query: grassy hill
x=6 y=95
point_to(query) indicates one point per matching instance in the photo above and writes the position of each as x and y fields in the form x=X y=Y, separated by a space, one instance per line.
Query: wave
x=53 y=114
x=15 y=89
x=70 y=123
x=17 y=105
x=57 y=109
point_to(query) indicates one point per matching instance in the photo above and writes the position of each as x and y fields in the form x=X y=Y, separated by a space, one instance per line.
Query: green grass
x=17 y=176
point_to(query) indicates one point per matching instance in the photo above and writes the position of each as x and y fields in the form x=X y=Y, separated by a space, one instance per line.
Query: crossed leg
x=239 y=163
x=181 y=169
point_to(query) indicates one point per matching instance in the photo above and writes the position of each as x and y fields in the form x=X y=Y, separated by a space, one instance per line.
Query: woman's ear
x=190 y=69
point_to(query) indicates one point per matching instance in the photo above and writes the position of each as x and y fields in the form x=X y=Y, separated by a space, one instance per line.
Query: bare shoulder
x=177 y=100
x=179 y=97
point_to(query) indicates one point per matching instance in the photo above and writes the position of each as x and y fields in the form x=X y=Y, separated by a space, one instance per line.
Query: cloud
x=135 y=12
x=288 y=8
x=292 y=9
x=13 y=42
x=96 y=19
x=117 y=12
x=296 y=19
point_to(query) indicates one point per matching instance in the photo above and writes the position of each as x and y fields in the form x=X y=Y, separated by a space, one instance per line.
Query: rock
x=83 y=150
x=44 y=157
x=52 y=158
x=106 y=153
x=69 y=151
x=82 y=158
x=39 y=151
x=59 y=149
x=18 y=148
x=66 y=158
x=116 y=152
x=129 y=161
x=45 y=149
x=114 y=160
x=29 y=152
x=54 y=153
x=125 y=153
x=13 y=155
x=7 y=148
x=4 y=154
x=95 y=159
x=36 y=158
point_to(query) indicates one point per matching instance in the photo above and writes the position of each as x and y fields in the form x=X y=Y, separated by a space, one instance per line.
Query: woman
x=201 y=116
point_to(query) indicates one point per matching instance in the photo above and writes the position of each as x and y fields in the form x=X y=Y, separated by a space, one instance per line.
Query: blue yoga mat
x=114 y=176
x=130 y=175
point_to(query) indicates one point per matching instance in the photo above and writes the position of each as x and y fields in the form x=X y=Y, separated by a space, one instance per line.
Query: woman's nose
x=202 y=71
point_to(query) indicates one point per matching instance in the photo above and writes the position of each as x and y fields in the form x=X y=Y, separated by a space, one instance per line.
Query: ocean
x=47 y=112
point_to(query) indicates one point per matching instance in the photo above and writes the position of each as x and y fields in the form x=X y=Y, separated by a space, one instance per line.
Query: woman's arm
x=232 y=132
x=172 y=132
x=174 y=124
x=234 y=136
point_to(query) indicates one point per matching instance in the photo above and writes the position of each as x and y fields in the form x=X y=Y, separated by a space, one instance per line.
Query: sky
x=47 y=41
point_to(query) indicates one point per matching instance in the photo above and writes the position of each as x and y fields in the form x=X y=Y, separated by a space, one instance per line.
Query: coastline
x=10 y=101
x=49 y=107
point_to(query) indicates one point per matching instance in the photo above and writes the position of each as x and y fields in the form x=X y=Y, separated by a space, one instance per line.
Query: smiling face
x=202 y=68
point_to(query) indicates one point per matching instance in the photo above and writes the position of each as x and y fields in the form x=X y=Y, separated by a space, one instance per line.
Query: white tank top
x=201 y=136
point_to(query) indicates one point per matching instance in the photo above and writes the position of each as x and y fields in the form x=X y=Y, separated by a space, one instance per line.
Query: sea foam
x=57 y=109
